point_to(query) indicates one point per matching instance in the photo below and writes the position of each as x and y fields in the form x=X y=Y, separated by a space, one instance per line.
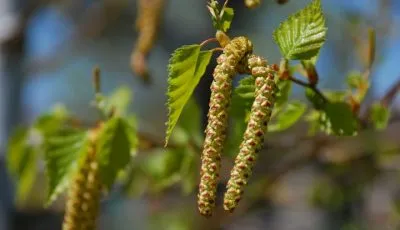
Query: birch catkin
x=215 y=132
x=147 y=24
x=84 y=196
x=252 y=3
x=256 y=128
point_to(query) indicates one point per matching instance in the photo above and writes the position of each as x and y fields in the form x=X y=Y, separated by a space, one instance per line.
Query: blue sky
x=49 y=28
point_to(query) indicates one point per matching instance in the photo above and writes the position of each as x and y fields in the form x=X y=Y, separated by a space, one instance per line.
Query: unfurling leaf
x=64 y=152
x=114 y=147
x=302 y=35
x=288 y=116
x=379 y=116
x=221 y=17
x=226 y=18
x=186 y=67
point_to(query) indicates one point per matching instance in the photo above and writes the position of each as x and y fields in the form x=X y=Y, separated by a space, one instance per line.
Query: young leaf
x=190 y=122
x=48 y=124
x=120 y=100
x=132 y=133
x=243 y=97
x=335 y=96
x=354 y=79
x=64 y=153
x=221 y=18
x=302 y=35
x=16 y=150
x=379 y=116
x=283 y=94
x=338 y=119
x=226 y=18
x=288 y=116
x=22 y=162
x=186 y=67
x=313 y=121
x=113 y=149
x=246 y=88
x=188 y=173
x=28 y=173
x=314 y=98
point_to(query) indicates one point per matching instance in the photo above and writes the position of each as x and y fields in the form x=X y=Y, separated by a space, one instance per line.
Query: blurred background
x=49 y=47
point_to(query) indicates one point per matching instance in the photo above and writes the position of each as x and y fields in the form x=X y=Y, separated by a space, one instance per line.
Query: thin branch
x=389 y=97
x=307 y=85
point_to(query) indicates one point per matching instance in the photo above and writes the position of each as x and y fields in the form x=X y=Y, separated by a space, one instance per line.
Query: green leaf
x=246 y=88
x=358 y=84
x=316 y=100
x=313 y=120
x=64 y=153
x=354 y=79
x=235 y=137
x=50 y=123
x=186 y=67
x=288 y=116
x=113 y=149
x=302 y=35
x=335 y=96
x=379 y=116
x=120 y=100
x=188 y=173
x=190 y=122
x=22 y=156
x=243 y=97
x=226 y=18
x=285 y=88
x=338 y=119
x=28 y=173
x=16 y=150
x=163 y=167
x=221 y=18
x=132 y=133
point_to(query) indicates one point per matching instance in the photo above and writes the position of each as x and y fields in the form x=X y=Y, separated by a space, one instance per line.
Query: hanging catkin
x=147 y=23
x=252 y=3
x=215 y=132
x=84 y=196
x=253 y=137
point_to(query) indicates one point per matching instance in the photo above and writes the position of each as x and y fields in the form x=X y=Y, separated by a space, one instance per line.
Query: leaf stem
x=205 y=42
x=310 y=86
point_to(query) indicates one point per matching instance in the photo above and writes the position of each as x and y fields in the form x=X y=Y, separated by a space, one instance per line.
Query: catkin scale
x=215 y=133
x=83 y=202
x=253 y=137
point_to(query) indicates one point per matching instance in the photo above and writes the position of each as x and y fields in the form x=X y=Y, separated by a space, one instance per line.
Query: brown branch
x=310 y=86
x=389 y=97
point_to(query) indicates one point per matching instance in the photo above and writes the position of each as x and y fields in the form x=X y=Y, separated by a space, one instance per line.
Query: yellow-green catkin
x=252 y=3
x=253 y=137
x=147 y=23
x=83 y=202
x=221 y=89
